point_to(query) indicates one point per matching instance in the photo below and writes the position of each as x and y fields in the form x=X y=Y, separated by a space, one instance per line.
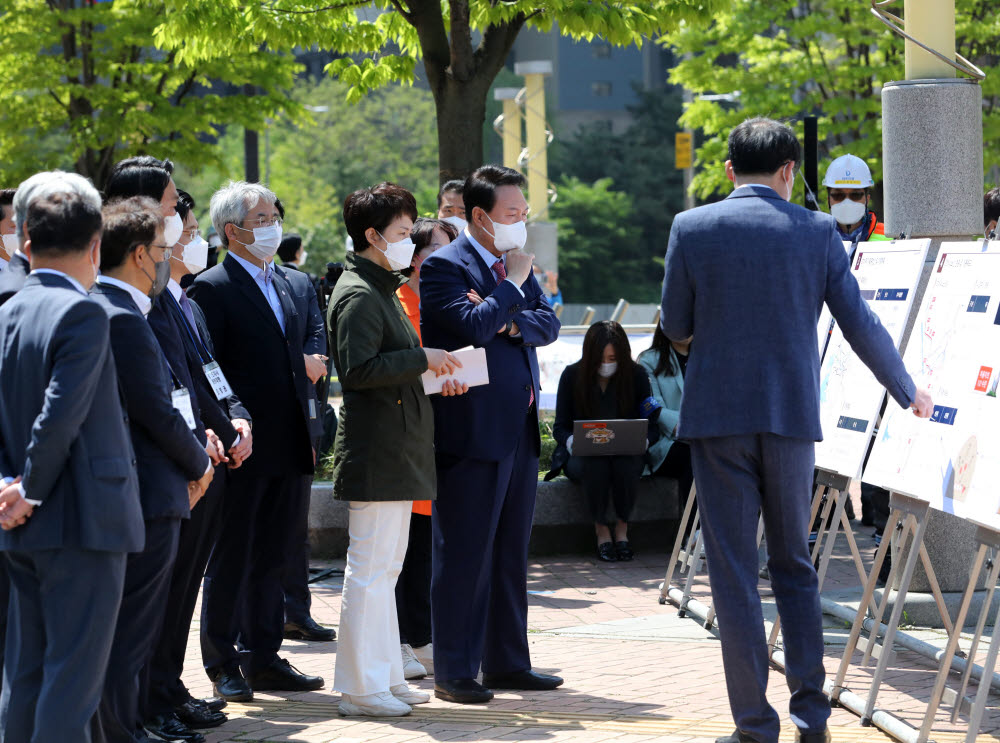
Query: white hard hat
x=848 y=171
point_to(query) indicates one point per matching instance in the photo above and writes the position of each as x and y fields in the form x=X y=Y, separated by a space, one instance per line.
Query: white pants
x=368 y=657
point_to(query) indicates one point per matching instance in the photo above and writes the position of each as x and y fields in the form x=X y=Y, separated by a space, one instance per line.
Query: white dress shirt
x=3 y=264
x=263 y=277
x=143 y=302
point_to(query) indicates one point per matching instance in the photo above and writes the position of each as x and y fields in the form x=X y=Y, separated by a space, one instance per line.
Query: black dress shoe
x=522 y=681
x=230 y=685
x=624 y=552
x=214 y=704
x=168 y=727
x=283 y=676
x=736 y=737
x=462 y=691
x=196 y=716
x=606 y=552
x=308 y=629
x=821 y=737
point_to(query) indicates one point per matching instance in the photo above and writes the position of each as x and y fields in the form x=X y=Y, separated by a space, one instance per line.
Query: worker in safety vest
x=849 y=182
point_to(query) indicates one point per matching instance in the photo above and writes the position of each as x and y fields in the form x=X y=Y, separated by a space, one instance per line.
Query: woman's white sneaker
x=383 y=704
x=412 y=668
x=408 y=695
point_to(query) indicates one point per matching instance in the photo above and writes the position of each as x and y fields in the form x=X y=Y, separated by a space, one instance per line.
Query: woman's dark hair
x=480 y=188
x=597 y=338
x=760 y=146
x=62 y=224
x=665 y=366
x=378 y=207
x=423 y=231
x=185 y=204
x=138 y=176
x=128 y=223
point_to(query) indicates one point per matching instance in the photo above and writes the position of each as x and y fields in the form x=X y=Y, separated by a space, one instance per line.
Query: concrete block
x=920 y=609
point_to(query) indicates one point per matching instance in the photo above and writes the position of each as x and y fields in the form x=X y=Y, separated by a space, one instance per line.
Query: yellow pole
x=933 y=23
x=537 y=162
x=511 y=132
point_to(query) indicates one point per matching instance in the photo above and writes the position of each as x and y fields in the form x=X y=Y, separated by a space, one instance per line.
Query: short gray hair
x=43 y=185
x=231 y=204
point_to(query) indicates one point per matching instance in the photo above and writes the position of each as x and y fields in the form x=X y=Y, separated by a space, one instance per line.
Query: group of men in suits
x=144 y=439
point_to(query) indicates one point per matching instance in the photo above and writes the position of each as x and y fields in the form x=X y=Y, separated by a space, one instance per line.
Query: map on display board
x=849 y=395
x=951 y=460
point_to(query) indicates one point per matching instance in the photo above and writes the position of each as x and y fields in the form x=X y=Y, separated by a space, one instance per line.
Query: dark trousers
x=295 y=581
x=197 y=538
x=739 y=477
x=603 y=478
x=482 y=522
x=140 y=621
x=677 y=464
x=4 y=603
x=878 y=505
x=245 y=570
x=63 y=608
x=413 y=587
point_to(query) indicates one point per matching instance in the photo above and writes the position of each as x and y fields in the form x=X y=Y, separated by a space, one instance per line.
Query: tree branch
x=339 y=6
x=425 y=16
x=496 y=44
x=407 y=15
x=463 y=62
x=185 y=88
x=56 y=99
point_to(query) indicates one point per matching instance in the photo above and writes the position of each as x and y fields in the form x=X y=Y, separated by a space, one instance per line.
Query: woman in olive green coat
x=384 y=450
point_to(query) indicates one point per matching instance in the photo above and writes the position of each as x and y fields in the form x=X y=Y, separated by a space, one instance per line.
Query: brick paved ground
x=634 y=672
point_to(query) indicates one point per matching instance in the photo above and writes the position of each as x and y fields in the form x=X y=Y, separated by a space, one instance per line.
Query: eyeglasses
x=853 y=194
x=192 y=233
x=262 y=222
x=167 y=252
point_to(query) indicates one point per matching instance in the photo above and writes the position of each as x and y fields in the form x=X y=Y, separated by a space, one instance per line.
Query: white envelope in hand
x=473 y=371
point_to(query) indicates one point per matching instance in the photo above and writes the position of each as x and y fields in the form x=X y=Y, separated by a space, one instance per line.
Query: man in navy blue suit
x=479 y=291
x=748 y=277
x=66 y=462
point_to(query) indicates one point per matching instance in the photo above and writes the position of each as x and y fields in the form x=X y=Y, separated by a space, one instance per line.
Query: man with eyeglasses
x=849 y=182
x=257 y=333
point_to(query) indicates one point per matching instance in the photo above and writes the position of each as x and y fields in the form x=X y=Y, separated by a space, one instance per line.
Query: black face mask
x=160 y=279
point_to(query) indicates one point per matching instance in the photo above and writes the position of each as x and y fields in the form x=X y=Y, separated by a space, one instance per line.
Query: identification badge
x=312 y=409
x=218 y=381
x=182 y=402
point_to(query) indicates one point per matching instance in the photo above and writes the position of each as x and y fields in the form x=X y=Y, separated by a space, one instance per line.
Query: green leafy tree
x=316 y=162
x=85 y=86
x=787 y=59
x=463 y=44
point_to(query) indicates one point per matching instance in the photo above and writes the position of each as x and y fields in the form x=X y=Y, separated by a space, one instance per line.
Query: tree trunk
x=461 y=111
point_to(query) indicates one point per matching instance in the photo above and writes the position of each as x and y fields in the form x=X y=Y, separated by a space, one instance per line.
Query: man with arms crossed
x=749 y=276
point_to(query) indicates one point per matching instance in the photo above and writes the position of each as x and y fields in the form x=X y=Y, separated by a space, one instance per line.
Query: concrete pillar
x=510 y=126
x=932 y=143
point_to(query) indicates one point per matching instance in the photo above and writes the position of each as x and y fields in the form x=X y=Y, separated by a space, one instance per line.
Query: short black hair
x=378 y=207
x=6 y=199
x=281 y=209
x=290 y=245
x=139 y=176
x=128 y=223
x=62 y=224
x=761 y=146
x=423 y=231
x=991 y=206
x=481 y=186
x=185 y=204
x=452 y=186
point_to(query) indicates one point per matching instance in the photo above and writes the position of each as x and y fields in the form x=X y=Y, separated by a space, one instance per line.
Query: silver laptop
x=605 y=438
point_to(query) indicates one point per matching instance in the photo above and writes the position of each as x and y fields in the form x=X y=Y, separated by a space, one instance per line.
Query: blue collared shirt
x=489 y=259
x=264 y=278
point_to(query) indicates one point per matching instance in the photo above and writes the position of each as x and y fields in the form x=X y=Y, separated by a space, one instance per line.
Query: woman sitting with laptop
x=608 y=391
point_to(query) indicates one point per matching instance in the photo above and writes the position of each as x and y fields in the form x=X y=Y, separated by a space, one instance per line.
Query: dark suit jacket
x=264 y=366
x=747 y=277
x=169 y=454
x=313 y=333
x=13 y=278
x=485 y=423
x=62 y=424
x=168 y=336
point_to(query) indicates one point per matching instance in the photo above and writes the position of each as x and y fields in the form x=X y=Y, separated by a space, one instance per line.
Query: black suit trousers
x=245 y=571
x=197 y=539
x=140 y=621
x=295 y=580
x=63 y=606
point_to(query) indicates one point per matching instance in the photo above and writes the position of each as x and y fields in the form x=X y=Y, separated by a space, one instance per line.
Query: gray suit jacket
x=62 y=425
x=748 y=277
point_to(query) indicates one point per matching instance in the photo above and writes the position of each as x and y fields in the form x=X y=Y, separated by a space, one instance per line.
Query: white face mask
x=173 y=226
x=302 y=260
x=790 y=185
x=266 y=241
x=507 y=237
x=399 y=254
x=11 y=243
x=607 y=370
x=459 y=223
x=195 y=255
x=848 y=212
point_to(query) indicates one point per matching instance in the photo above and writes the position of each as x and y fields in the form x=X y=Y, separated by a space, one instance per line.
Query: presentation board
x=849 y=394
x=951 y=460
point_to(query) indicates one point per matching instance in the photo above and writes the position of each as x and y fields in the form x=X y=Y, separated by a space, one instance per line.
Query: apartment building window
x=601 y=88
